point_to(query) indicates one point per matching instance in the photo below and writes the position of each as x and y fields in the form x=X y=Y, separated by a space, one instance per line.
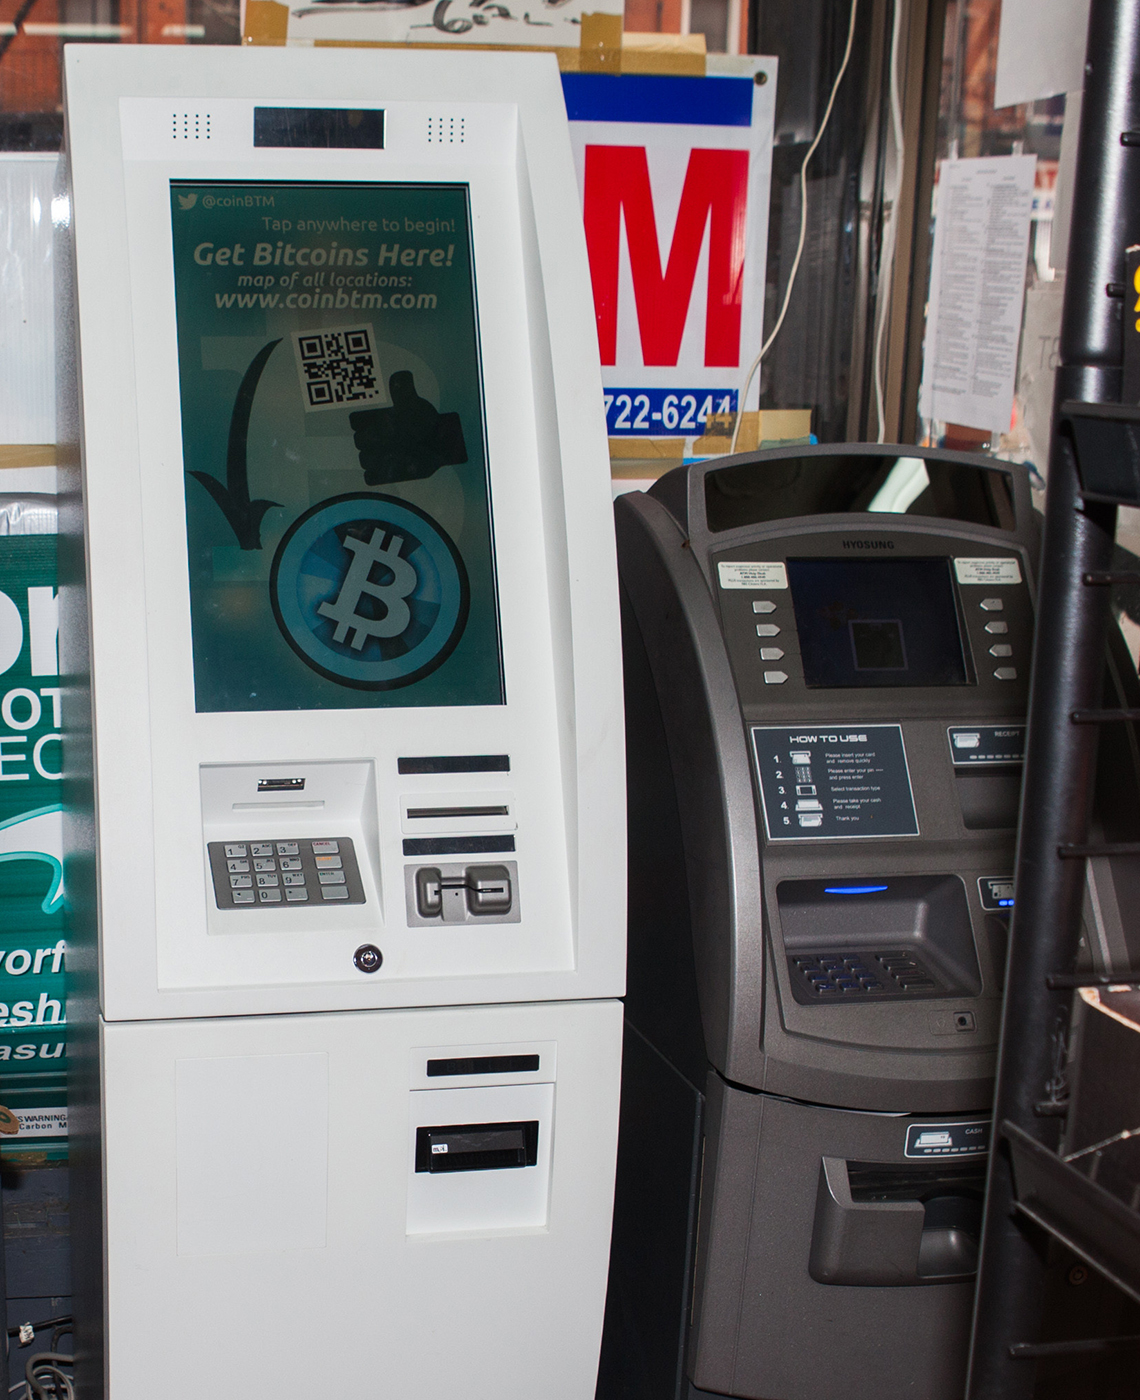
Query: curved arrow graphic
x=245 y=516
x=37 y=835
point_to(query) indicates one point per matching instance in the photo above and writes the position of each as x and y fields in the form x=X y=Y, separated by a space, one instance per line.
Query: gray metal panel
x=763 y=1327
x=712 y=772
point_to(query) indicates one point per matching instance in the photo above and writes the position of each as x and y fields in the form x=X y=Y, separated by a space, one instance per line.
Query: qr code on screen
x=338 y=368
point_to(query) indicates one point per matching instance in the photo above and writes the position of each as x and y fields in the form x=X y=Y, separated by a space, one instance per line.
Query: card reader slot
x=477 y=1147
x=436 y=813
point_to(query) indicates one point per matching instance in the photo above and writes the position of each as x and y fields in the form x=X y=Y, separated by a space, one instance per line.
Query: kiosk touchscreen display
x=877 y=622
x=338 y=511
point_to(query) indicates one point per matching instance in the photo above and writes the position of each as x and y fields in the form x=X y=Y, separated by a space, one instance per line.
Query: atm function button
x=331 y=877
x=286 y=848
x=267 y=882
x=265 y=864
x=327 y=862
x=1002 y=649
x=290 y=863
x=290 y=878
x=295 y=895
x=238 y=867
x=242 y=896
x=763 y=605
x=997 y=629
x=992 y=605
x=767 y=629
x=771 y=653
x=241 y=882
x=334 y=892
x=325 y=848
x=1005 y=673
x=262 y=848
x=270 y=896
x=236 y=851
x=775 y=677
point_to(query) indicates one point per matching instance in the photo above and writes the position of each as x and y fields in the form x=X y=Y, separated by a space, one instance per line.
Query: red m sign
x=715 y=193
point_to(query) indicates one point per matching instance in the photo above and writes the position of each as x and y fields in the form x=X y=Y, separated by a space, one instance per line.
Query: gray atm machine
x=827 y=660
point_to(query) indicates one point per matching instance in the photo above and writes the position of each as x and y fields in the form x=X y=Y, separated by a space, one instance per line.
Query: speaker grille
x=190 y=126
x=446 y=131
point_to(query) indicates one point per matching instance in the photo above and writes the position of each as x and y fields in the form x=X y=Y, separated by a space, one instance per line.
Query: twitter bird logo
x=188 y=201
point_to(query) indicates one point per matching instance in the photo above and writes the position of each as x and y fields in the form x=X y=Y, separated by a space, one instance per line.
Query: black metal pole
x=1067 y=673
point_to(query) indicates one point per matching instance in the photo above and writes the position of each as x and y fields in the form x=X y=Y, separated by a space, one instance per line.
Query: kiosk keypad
x=279 y=874
x=851 y=976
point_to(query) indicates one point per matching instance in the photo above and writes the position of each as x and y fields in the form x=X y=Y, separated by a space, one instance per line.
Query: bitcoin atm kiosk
x=827 y=656
x=355 y=673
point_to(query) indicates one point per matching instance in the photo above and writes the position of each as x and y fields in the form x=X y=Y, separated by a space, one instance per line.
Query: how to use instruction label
x=834 y=783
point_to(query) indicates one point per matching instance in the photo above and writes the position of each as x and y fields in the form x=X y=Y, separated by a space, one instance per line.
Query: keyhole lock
x=368 y=957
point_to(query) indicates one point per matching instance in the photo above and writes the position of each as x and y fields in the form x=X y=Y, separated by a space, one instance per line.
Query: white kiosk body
x=358 y=836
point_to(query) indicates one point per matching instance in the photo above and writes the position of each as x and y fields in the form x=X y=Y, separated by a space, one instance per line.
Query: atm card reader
x=459 y=894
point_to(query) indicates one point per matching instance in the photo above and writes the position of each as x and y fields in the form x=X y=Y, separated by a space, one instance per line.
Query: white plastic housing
x=166 y=949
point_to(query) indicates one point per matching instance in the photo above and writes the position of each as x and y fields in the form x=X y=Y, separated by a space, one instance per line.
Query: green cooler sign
x=33 y=1003
x=337 y=504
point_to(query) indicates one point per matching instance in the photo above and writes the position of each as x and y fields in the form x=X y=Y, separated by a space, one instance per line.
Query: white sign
x=977 y=287
x=675 y=175
x=27 y=301
x=987 y=570
x=528 y=23
x=734 y=574
x=1041 y=49
x=41 y=1122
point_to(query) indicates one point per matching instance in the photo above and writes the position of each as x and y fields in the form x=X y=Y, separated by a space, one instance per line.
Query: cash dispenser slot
x=482 y=1064
x=881 y=1226
x=878 y=938
x=477 y=1147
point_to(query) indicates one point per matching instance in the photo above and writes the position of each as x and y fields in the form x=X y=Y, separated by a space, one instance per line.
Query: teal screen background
x=389 y=267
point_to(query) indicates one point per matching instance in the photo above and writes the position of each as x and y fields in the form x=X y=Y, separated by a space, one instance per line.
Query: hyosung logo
x=369 y=591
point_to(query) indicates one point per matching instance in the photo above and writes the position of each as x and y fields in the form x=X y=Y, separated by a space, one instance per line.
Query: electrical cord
x=767 y=345
x=888 y=246
x=43 y=1371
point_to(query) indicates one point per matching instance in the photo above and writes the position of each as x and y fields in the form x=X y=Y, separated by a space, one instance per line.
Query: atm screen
x=338 y=511
x=877 y=622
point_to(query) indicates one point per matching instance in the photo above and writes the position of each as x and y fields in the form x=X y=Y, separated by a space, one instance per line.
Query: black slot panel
x=457 y=845
x=483 y=1064
x=456 y=763
x=330 y=128
x=477 y=1147
x=434 y=813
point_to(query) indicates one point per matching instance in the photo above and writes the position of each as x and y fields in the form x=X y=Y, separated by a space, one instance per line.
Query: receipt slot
x=827 y=656
x=353 y=846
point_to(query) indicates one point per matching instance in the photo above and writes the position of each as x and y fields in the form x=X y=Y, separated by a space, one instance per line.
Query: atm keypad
x=273 y=874
x=847 y=975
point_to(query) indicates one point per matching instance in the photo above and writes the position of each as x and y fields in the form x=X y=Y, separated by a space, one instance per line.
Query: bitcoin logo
x=357 y=582
x=369 y=591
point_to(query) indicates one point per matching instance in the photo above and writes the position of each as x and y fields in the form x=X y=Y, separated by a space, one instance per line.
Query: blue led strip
x=854 y=889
